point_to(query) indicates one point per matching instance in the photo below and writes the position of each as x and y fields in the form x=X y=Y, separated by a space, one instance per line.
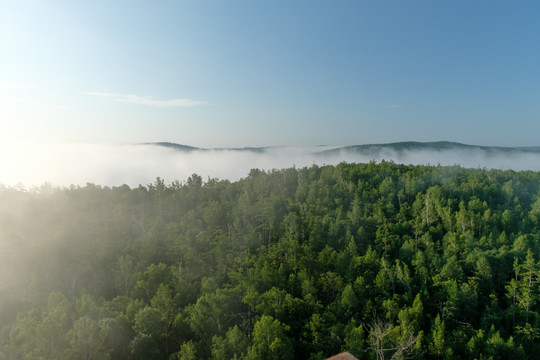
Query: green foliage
x=233 y=346
x=270 y=341
x=355 y=340
x=381 y=260
x=187 y=351
x=87 y=339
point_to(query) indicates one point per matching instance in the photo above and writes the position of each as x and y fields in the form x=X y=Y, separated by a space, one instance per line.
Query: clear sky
x=270 y=73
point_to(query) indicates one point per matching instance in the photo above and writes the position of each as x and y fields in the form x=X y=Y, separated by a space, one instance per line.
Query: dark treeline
x=382 y=260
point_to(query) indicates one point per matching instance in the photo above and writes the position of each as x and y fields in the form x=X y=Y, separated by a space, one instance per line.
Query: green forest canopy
x=381 y=260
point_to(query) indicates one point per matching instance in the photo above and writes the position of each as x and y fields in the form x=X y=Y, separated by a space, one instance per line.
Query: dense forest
x=385 y=261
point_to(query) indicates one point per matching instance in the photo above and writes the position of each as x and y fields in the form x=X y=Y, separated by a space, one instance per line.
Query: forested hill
x=380 y=260
x=187 y=148
x=435 y=146
x=376 y=149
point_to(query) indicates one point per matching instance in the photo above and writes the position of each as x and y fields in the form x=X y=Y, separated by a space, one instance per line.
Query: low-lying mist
x=31 y=165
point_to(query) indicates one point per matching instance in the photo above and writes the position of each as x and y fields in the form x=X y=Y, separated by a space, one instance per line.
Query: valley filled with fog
x=64 y=164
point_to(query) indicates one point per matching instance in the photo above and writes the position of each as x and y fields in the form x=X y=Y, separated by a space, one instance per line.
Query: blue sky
x=270 y=73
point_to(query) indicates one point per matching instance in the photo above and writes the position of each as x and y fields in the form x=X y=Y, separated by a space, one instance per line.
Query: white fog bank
x=32 y=165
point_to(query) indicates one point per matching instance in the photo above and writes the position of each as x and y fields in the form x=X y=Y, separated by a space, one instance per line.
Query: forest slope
x=379 y=260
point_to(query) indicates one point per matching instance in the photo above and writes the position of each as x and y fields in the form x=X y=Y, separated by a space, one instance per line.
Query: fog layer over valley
x=64 y=164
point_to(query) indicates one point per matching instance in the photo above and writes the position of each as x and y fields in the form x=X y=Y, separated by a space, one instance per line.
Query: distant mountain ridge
x=374 y=149
x=434 y=146
x=175 y=146
x=182 y=147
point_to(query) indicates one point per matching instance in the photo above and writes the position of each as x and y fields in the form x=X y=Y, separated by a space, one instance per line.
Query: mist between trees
x=384 y=261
